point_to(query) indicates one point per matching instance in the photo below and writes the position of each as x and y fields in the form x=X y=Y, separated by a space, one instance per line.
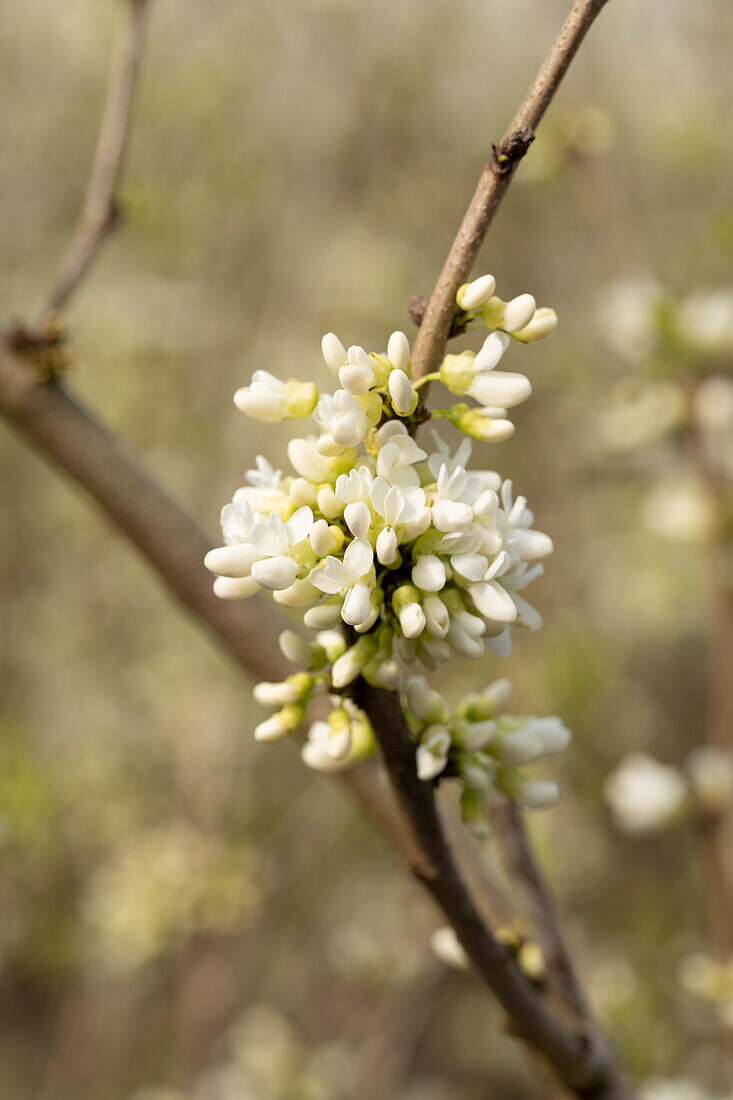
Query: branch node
x=510 y=150
x=44 y=349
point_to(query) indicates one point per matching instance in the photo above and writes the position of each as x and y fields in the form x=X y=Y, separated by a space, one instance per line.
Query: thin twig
x=524 y=873
x=492 y=186
x=100 y=210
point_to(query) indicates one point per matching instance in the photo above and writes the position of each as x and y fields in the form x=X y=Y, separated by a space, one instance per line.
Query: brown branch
x=492 y=186
x=538 y=903
x=100 y=210
x=580 y=1058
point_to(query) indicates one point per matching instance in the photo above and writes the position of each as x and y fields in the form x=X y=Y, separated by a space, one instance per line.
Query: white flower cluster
x=642 y=319
x=482 y=746
x=395 y=555
x=645 y=796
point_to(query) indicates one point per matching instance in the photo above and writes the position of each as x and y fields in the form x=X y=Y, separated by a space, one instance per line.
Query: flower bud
x=295 y=649
x=426 y=705
x=503 y=389
x=281 y=724
x=347 y=667
x=332 y=642
x=275 y=573
x=437 y=618
x=358 y=518
x=300 y=593
x=339 y=734
x=445 y=946
x=537 y=794
x=292 y=690
x=432 y=753
x=357 y=377
x=323 y=615
x=329 y=503
x=322 y=539
x=387 y=546
x=509 y=316
x=407 y=608
x=519 y=747
x=303 y=493
x=228 y=588
x=472 y=295
x=231 y=561
x=384 y=674
x=428 y=573
x=398 y=351
x=404 y=398
x=334 y=352
x=542 y=324
x=491 y=351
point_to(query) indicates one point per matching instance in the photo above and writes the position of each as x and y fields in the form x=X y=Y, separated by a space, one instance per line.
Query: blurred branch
x=539 y=905
x=492 y=186
x=100 y=210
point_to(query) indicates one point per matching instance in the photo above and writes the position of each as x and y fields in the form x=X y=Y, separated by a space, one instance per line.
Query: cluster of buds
x=481 y=746
x=394 y=555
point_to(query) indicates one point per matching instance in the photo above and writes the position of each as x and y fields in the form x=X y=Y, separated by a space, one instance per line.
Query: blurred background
x=185 y=914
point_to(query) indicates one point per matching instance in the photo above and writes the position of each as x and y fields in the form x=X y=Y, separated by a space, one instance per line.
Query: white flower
x=334 y=352
x=642 y=794
x=455 y=493
x=502 y=389
x=428 y=573
x=269 y=399
x=307 y=461
x=274 y=542
x=322 y=539
x=350 y=422
x=542 y=324
x=519 y=312
x=510 y=316
x=354 y=490
x=398 y=453
x=233 y=561
x=432 y=752
x=401 y=392
x=398 y=351
x=473 y=295
x=317 y=750
x=295 y=649
x=356 y=375
x=445 y=946
x=350 y=579
x=281 y=724
x=403 y=512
